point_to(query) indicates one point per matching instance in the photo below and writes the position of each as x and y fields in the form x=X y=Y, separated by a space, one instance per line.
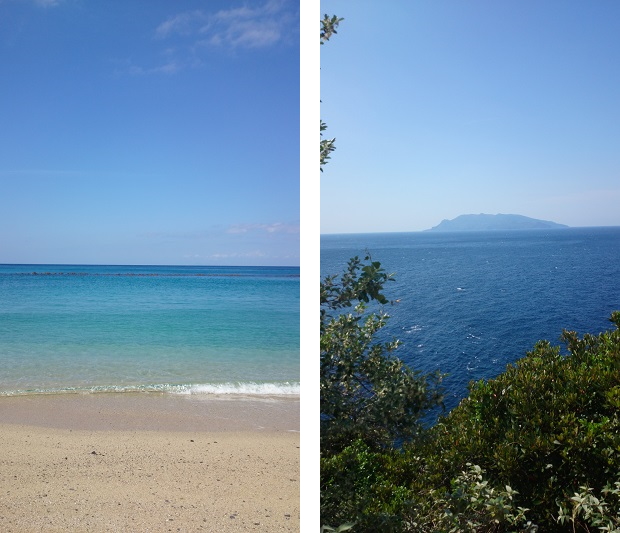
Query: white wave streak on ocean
x=246 y=389
x=260 y=389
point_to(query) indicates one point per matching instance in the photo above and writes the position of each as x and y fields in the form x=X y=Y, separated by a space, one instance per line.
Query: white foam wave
x=248 y=388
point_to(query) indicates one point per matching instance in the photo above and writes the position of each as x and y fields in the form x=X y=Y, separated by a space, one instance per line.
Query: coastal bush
x=471 y=504
x=585 y=509
x=547 y=427
x=537 y=448
x=390 y=491
x=367 y=486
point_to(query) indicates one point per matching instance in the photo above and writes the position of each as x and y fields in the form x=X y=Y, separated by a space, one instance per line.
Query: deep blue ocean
x=471 y=303
x=189 y=330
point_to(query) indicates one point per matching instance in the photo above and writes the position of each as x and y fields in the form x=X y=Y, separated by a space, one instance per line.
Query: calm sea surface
x=198 y=330
x=470 y=303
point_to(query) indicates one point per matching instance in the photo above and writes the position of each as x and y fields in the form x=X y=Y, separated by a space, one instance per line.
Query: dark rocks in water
x=498 y=222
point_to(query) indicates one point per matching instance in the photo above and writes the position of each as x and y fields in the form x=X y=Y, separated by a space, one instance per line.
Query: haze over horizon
x=159 y=133
x=470 y=108
x=456 y=218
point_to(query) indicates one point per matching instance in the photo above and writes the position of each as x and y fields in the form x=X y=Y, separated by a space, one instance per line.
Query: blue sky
x=447 y=108
x=149 y=132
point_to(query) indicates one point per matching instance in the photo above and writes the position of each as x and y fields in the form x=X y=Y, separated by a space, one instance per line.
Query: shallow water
x=190 y=330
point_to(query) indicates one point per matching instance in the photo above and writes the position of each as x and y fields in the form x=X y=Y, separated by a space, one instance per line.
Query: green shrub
x=367 y=487
x=585 y=509
x=389 y=491
x=547 y=426
x=470 y=505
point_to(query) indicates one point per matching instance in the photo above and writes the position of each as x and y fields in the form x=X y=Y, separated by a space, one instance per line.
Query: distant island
x=484 y=222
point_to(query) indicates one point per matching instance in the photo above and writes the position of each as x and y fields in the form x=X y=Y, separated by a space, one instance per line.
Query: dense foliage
x=547 y=426
x=535 y=449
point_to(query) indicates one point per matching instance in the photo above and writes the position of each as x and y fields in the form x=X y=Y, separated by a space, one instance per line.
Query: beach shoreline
x=149 y=462
x=152 y=411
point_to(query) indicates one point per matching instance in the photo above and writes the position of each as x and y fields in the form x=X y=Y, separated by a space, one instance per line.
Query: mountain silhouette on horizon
x=483 y=222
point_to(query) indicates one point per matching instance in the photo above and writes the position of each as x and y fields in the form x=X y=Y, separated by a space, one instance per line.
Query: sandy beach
x=148 y=462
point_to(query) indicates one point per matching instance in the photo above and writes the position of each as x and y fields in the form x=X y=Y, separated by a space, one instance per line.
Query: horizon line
x=149 y=265
x=460 y=231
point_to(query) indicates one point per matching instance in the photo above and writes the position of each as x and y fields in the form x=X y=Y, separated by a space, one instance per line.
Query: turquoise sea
x=184 y=330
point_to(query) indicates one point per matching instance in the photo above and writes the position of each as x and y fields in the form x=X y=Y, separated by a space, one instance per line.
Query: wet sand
x=148 y=462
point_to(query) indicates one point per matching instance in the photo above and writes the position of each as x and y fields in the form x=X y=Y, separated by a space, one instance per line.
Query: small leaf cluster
x=328 y=27
x=585 y=509
x=362 y=281
x=327 y=146
x=470 y=505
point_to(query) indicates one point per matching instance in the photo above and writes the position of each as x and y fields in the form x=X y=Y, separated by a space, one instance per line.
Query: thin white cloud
x=254 y=253
x=192 y=33
x=277 y=227
x=247 y=34
x=247 y=27
x=183 y=24
x=234 y=229
x=241 y=27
